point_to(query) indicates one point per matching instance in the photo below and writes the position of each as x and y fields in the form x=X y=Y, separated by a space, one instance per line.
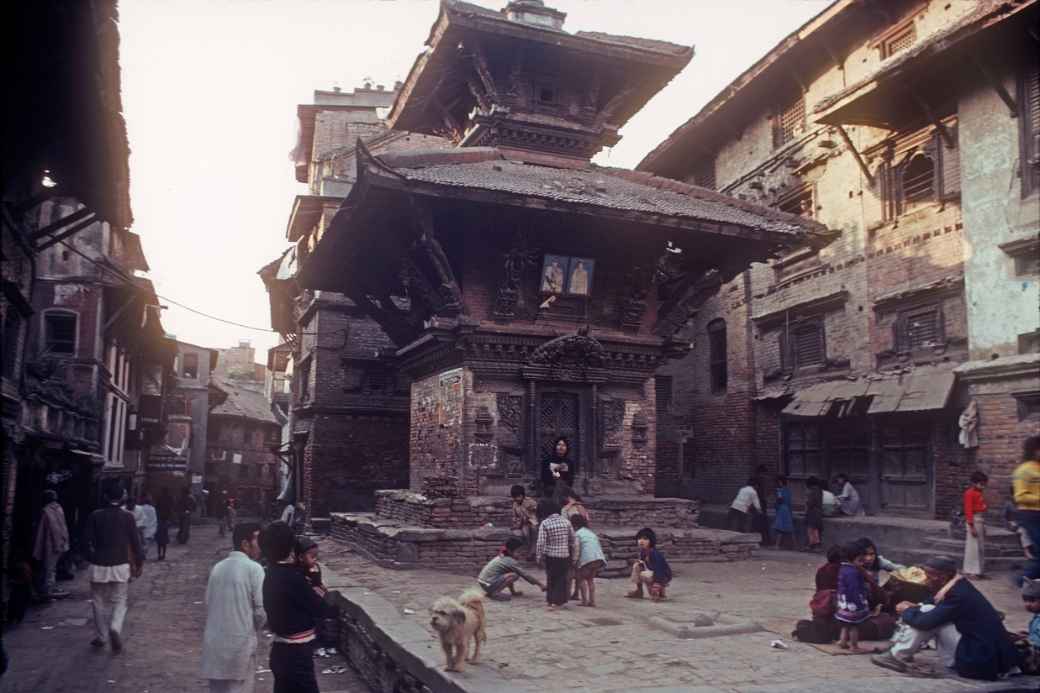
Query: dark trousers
x=737 y=520
x=1029 y=520
x=184 y=530
x=293 y=668
x=556 y=572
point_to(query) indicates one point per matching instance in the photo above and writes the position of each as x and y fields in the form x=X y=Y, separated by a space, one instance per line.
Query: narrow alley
x=50 y=650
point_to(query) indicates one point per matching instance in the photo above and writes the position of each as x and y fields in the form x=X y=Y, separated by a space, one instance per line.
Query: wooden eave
x=454 y=24
x=306 y=211
x=931 y=72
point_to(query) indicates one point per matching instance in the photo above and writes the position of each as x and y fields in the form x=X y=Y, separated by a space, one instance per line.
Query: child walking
x=589 y=561
x=814 y=512
x=975 y=524
x=853 y=607
x=651 y=569
x=783 y=525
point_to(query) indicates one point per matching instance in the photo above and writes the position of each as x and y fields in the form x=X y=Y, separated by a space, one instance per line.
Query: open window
x=59 y=332
x=190 y=366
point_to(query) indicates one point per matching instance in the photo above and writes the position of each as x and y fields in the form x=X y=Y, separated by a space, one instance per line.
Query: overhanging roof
x=924 y=389
x=884 y=99
x=306 y=211
x=458 y=20
x=754 y=87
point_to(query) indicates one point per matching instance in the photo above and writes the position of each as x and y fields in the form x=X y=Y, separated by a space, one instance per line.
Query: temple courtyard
x=717 y=631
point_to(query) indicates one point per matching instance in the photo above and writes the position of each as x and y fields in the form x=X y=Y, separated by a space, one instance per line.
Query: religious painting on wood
x=567 y=275
x=554 y=274
x=579 y=280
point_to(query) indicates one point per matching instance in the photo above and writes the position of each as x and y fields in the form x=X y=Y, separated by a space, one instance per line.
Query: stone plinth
x=393 y=544
x=414 y=509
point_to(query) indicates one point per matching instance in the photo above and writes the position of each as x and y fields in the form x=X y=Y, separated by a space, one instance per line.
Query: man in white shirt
x=234 y=613
x=746 y=503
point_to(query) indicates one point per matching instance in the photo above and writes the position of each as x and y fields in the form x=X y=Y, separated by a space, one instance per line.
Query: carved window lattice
x=901 y=39
x=789 y=121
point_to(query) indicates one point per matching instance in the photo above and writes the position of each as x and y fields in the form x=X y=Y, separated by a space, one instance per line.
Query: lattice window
x=803 y=450
x=718 y=372
x=899 y=40
x=789 y=121
x=919 y=328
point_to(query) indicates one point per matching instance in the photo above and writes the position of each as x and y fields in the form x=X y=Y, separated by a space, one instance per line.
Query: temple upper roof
x=515 y=79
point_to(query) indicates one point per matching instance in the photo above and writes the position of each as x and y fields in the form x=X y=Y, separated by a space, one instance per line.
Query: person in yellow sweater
x=1025 y=483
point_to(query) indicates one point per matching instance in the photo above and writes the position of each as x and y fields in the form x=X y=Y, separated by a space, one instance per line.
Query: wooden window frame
x=886 y=42
x=718 y=361
x=804 y=196
x=946 y=175
x=703 y=174
x=47 y=339
x=789 y=352
x=901 y=337
x=1029 y=127
x=184 y=366
x=1028 y=405
x=783 y=135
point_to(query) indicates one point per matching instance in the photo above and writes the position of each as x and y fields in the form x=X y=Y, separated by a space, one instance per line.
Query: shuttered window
x=921 y=328
x=1029 y=128
x=808 y=345
x=703 y=173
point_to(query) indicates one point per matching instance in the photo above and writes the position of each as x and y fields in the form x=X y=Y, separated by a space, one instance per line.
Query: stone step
x=919 y=554
x=956 y=546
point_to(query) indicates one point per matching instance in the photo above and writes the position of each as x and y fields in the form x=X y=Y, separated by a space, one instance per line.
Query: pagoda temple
x=530 y=293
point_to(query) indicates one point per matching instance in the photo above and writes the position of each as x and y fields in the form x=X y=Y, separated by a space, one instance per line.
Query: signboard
x=167 y=465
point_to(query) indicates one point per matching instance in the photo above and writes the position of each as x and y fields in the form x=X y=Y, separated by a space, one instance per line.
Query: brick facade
x=888 y=295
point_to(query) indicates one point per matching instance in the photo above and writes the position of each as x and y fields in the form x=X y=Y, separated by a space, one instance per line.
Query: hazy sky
x=210 y=89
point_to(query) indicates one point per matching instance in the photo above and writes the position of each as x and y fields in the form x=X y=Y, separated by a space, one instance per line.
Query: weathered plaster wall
x=995 y=213
x=436 y=439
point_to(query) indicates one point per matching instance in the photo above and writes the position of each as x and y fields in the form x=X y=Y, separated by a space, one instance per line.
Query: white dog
x=456 y=621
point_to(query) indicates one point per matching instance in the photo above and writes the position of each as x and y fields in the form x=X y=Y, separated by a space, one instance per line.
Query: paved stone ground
x=50 y=651
x=622 y=646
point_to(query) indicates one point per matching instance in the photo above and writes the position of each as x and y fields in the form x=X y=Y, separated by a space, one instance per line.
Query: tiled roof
x=609 y=188
x=243 y=402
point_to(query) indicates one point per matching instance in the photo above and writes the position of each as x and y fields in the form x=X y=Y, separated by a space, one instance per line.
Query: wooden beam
x=855 y=153
x=479 y=94
x=930 y=115
x=59 y=237
x=64 y=221
x=480 y=64
x=998 y=87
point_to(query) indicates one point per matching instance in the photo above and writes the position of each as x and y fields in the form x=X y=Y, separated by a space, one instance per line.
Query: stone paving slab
x=621 y=646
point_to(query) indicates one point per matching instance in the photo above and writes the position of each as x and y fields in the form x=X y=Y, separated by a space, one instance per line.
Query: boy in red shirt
x=975 y=523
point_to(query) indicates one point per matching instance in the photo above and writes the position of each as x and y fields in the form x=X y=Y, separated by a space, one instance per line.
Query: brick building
x=348 y=429
x=529 y=293
x=178 y=459
x=910 y=128
x=242 y=438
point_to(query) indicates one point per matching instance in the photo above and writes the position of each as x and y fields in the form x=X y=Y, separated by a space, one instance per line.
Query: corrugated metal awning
x=923 y=389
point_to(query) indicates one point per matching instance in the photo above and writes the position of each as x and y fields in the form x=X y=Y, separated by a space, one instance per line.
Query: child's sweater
x=654 y=560
x=852 y=595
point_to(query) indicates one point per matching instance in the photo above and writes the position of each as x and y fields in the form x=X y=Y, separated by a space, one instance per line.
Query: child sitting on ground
x=589 y=561
x=525 y=519
x=853 y=607
x=502 y=571
x=651 y=568
x=1028 y=643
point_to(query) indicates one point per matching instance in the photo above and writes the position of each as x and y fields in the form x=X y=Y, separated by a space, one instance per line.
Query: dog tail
x=474 y=599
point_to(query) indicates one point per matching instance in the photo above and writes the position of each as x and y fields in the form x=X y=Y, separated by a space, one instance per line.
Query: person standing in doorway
x=185 y=509
x=52 y=541
x=975 y=524
x=234 y=613
x=114 y=551
x=1026 y=484
x=557 y=470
